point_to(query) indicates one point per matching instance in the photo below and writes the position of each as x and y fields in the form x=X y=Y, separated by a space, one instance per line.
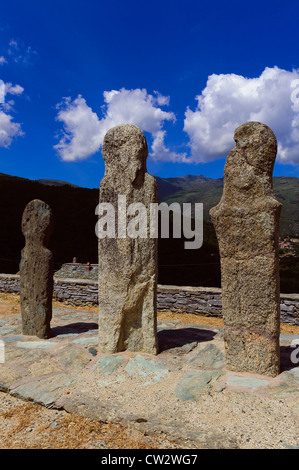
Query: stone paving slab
x=251 y=383
x=163 y=393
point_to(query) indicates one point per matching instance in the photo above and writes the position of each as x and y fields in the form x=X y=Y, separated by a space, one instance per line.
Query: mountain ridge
x=200 y=188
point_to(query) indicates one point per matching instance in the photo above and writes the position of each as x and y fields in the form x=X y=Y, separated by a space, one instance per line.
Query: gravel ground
x=24 y=425
x=251 y=420
x=254 y=421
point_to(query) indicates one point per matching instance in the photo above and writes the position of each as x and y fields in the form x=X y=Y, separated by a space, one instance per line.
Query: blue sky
x=186 y=72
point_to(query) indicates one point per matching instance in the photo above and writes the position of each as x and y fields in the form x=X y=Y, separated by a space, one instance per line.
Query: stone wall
x=76 y=291
x=9 y=283
x=197 y=300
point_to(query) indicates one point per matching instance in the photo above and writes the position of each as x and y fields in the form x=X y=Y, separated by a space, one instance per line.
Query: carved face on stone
x=37 y=222
x=125 y=151
x=258 y=142
x=252 y=159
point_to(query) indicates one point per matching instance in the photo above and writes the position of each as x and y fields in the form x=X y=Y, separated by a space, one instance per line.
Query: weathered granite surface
x=247 y=227
x=127 y=266
x=36 y=270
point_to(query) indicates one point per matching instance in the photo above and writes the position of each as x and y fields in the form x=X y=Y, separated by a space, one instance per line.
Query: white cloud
x=227 y=101
x=161 y=100
x=7 y=106
x=20 y=53
x=14 y=50
x=8 y=128
x=162 y=153
x=84 y=131
x=230 y=100
x=13 y=89
x=2 y=60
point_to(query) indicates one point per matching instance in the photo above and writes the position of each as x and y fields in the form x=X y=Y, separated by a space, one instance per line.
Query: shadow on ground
x=73 y=328
x=174 y=338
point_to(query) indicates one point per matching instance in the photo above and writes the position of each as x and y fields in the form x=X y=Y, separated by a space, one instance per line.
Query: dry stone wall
x=196 y=300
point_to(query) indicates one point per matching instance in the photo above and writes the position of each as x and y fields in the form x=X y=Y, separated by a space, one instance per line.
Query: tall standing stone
x=247 y=227
x=127 y=266
x=36 y=270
